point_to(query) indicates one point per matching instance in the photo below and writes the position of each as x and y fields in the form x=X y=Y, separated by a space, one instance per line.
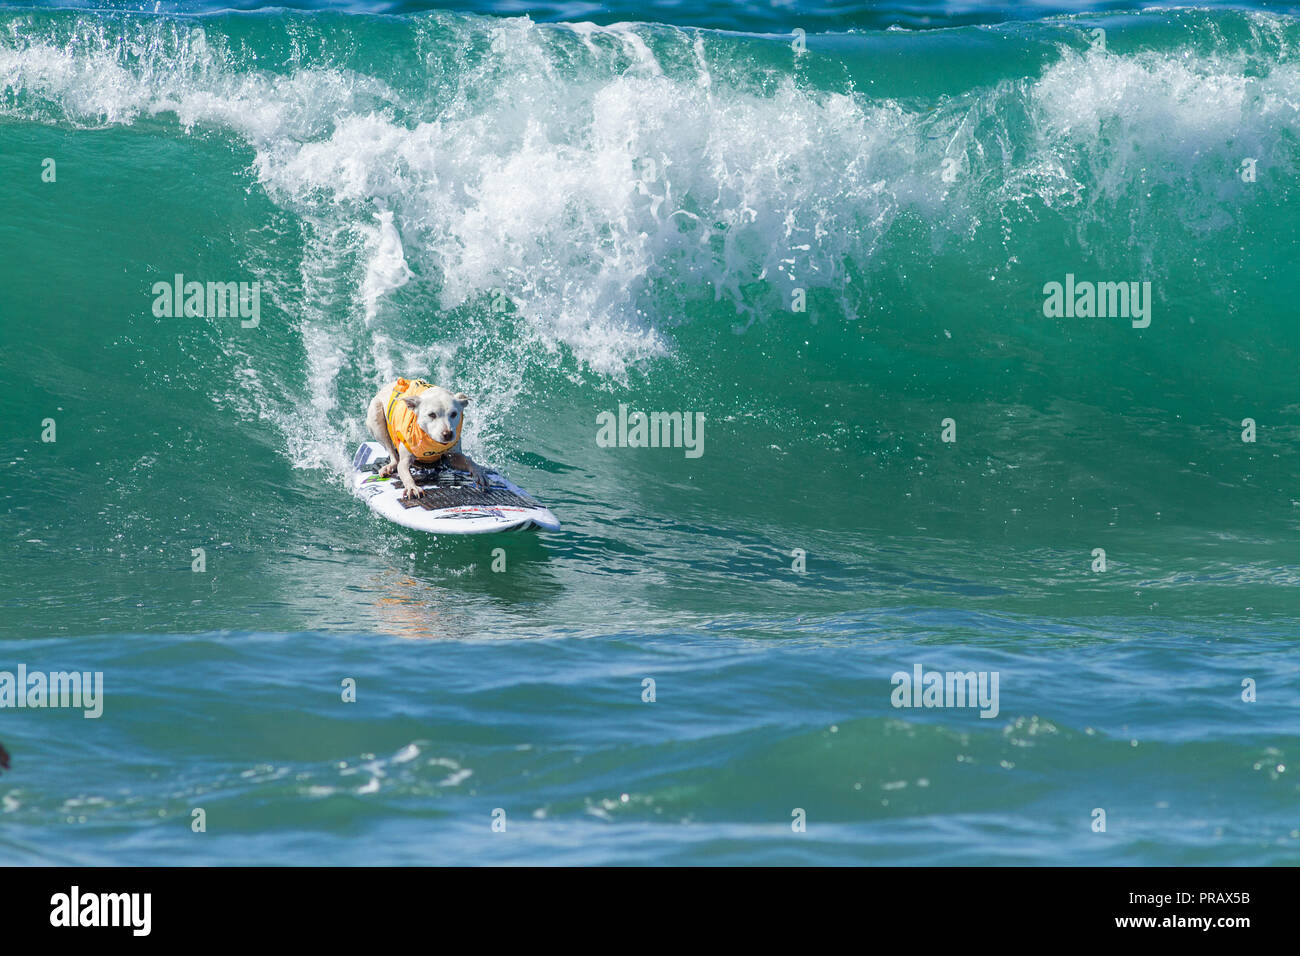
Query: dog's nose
x=447 y=434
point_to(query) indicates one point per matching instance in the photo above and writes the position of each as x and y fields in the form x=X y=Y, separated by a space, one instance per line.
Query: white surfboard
x=450 y=503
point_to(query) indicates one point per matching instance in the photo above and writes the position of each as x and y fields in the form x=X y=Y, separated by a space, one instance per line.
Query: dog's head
x=438 y=412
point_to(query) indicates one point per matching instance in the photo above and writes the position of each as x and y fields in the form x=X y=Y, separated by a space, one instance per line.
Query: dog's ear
x=462 y=398
x=411 y=403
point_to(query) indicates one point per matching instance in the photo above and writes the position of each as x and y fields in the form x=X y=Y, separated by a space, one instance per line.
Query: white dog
x=420 y=423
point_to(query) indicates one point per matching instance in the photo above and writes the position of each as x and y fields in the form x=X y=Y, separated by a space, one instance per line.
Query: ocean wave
x=570 y=196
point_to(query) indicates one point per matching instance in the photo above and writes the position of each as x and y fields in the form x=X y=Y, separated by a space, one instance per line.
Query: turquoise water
x=559 y=218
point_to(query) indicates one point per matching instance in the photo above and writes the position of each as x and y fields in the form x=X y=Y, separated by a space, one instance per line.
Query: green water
x=592 y=216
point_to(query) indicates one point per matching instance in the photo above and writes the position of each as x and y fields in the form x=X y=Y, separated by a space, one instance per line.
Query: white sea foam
x=597 y=181
x=386 y=268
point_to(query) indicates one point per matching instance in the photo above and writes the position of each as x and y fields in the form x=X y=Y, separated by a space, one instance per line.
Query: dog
x=420 y=424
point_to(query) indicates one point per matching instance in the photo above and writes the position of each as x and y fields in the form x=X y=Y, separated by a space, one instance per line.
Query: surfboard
x=450 y=503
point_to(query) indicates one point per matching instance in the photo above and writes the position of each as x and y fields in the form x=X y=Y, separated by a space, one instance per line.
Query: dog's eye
x=452 y=415
x=433 y=414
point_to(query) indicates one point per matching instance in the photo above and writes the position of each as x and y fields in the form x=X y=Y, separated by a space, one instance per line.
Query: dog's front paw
x=481 y=481
x=387 y=470
x=413 y=491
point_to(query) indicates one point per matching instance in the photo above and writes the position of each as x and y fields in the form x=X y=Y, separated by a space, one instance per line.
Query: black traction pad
x=464 y=496
x=444 y=488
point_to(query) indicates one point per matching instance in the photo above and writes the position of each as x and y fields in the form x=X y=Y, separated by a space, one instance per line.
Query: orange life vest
x=403 y=428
